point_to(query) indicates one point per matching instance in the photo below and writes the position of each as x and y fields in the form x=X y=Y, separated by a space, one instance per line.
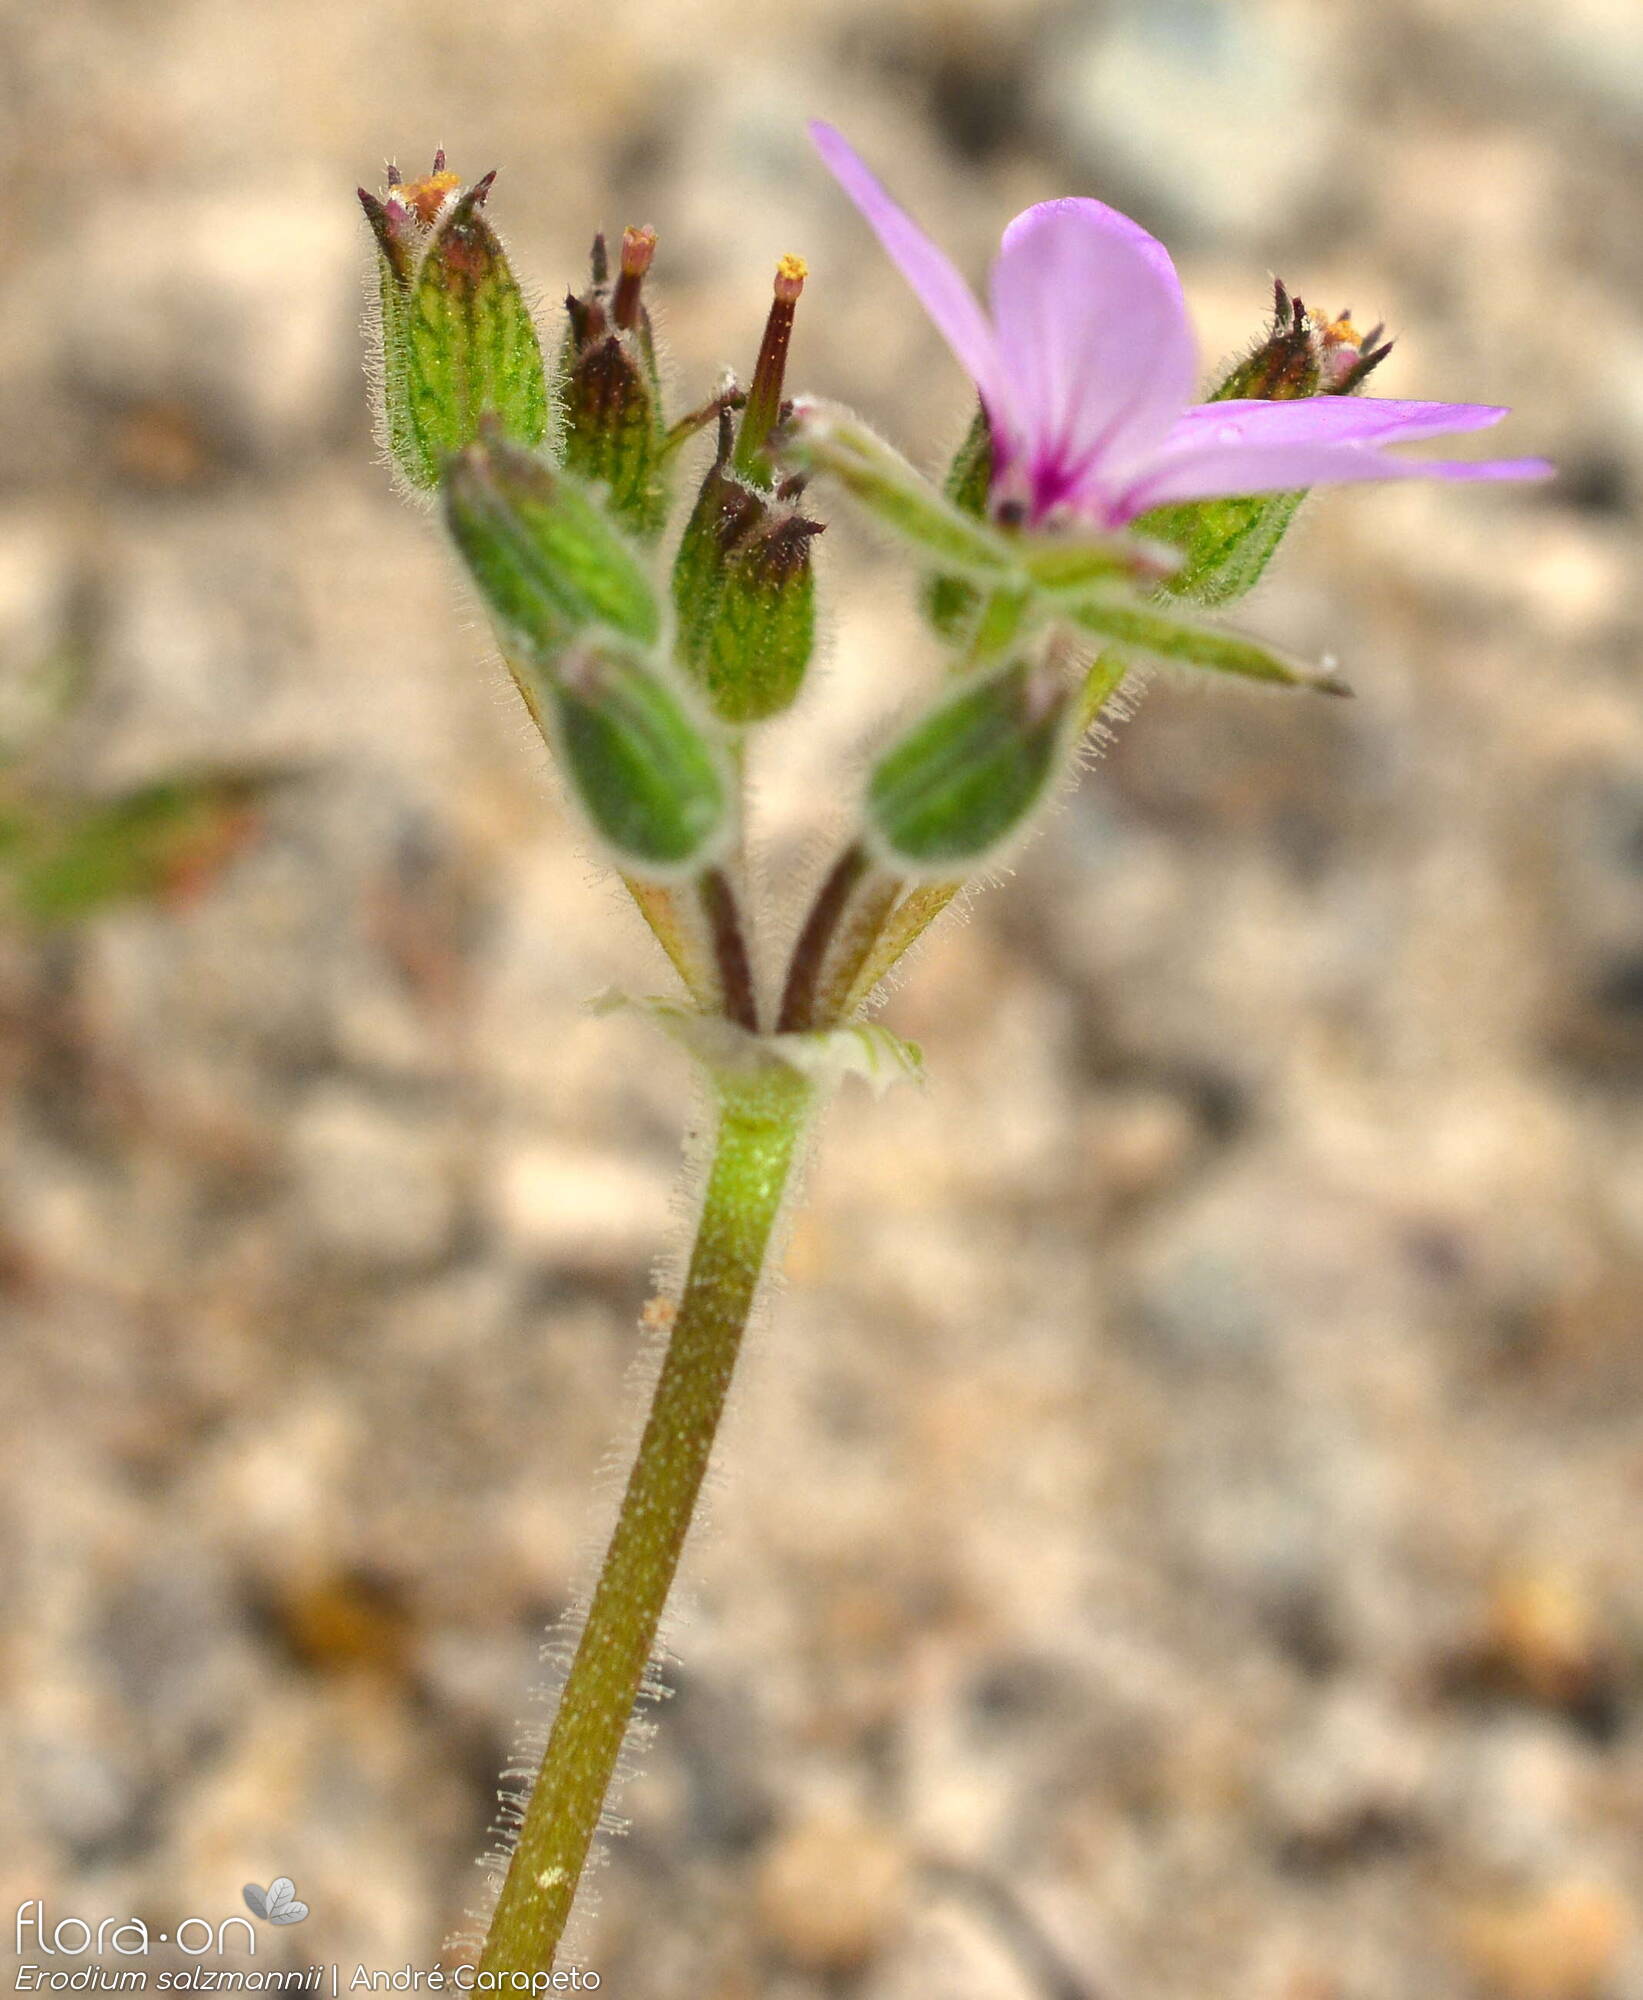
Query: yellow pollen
x=791 y=273
x=1342 y=333
x=425 y=197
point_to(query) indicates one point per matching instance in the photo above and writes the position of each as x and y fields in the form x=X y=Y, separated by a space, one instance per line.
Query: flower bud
x=745 y=591
x=743 y=583
x=645 y=773
x=615 y=436
x=457 y=338
x=1303 y=356
x=548 y=561
x=1228 y=543
x=967 y=777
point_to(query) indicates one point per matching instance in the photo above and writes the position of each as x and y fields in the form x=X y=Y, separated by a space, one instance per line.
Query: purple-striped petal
x=931 y=273
x=1087 y=366
x=1094 y=340
x=1219 y=471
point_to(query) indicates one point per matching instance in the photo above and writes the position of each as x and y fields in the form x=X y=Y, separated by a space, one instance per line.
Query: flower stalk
x=851 y=904
x=763 y=1115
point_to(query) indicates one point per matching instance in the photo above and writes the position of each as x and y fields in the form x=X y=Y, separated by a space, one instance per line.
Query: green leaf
x=60 y=864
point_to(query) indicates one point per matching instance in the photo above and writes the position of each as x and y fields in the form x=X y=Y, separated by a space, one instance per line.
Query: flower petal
x=1220 y=471
x=1326 y=419
x=931 y=273
x=1094 y=339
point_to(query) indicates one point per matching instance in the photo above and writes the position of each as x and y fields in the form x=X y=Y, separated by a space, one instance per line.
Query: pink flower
x=1087 y=368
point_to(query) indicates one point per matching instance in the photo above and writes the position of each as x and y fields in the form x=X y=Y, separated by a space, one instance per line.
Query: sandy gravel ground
x=1178 y=1537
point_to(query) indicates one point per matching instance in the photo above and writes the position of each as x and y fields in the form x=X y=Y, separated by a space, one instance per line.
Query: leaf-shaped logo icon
x=277 y=1904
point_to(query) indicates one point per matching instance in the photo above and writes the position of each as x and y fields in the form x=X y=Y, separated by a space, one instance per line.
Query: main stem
x=762 y=1117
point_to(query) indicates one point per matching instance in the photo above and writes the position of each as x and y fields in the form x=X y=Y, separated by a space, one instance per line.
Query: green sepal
x=726 y=508
x=1103 y=678
x=1044 y=565
x=1282 y=367
x=1225 y=545
x=950 y=603
x=395 y=269
x=1168 y=635
x=459 y=343
x=823 y=438
x=615 y=436
x=1061 y=565
x=970 y=476
x=646 y=774
x=763 y=627
x=967 y=777
x=548 y=560
x=1000 y=620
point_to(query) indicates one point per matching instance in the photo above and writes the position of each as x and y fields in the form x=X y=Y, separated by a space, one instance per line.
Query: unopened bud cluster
x=556 y=489
x=1227 y=544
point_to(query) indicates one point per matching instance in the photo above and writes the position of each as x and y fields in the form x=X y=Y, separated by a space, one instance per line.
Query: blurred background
x=1178 y=1535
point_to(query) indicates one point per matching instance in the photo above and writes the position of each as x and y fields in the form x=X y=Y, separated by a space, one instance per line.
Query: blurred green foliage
x=65 y=856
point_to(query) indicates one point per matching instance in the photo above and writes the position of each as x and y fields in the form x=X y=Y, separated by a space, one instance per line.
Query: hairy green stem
x=762 y=1118
x=902 y=929
x=660 y=906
